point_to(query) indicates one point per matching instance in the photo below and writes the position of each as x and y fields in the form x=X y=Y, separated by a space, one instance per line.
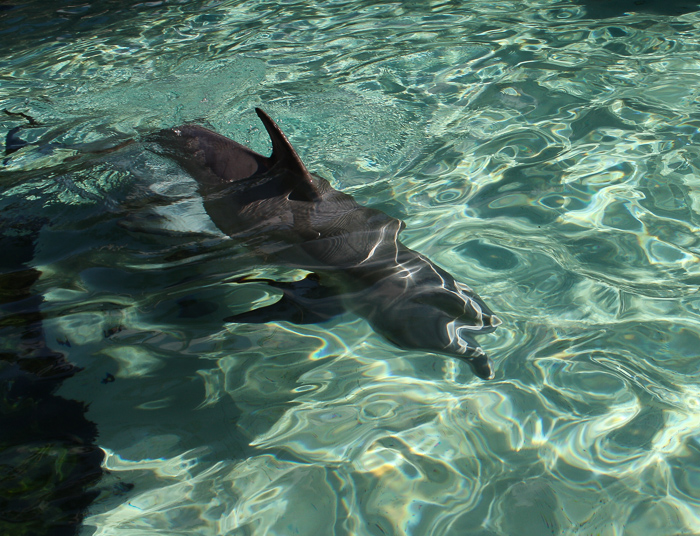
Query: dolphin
x=293 y=218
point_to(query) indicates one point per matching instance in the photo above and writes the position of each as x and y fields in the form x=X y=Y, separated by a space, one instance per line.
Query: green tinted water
x=546 y=159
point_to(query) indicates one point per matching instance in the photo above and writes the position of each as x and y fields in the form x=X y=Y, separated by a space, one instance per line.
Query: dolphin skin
x=293 y=218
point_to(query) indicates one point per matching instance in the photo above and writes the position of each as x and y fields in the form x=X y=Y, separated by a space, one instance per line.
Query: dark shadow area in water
x=24 y=24
x=603 y=9
x=47 y=451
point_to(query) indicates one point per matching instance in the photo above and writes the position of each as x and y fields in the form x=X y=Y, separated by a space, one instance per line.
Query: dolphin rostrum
x=293 y=218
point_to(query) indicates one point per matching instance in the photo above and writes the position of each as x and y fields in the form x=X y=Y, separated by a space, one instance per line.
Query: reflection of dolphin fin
x=13 y=142
x=302 y=302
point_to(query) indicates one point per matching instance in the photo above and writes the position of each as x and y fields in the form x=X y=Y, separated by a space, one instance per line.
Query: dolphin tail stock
x=302 y=302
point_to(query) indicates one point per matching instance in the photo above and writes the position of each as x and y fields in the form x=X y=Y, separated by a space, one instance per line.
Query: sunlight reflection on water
x=546 y=159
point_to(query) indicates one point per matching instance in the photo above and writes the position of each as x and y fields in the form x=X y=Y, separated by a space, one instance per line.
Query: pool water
x=545 y=153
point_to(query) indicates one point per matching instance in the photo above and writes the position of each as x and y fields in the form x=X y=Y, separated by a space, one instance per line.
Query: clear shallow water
x=546 y=159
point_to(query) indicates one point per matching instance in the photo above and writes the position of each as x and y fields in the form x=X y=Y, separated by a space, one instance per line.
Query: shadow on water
x=49 y=461
x=603 y=9
x=48 y=456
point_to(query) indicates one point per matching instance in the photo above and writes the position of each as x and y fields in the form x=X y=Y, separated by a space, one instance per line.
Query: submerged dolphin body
x=293 y=218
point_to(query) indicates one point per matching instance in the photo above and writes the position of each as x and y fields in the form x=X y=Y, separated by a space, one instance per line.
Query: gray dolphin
x=293 y=218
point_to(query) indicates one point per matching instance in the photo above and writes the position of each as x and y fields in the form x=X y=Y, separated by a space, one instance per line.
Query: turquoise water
x=546 y=159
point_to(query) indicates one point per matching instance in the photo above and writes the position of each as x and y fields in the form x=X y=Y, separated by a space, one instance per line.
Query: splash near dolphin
x=357 y=263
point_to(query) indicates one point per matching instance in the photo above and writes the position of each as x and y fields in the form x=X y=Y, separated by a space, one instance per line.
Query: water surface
x=542 y=154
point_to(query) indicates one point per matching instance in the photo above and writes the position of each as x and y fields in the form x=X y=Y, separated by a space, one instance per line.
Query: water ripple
x=542 y=156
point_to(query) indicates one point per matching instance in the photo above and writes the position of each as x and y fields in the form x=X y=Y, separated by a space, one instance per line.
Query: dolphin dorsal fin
x=296 y=176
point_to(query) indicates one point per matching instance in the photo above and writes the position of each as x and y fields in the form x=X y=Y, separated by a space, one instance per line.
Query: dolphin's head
x=442 y=321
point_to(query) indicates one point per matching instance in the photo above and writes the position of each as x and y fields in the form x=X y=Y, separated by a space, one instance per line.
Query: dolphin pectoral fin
x=302 y=302
x=284 y=310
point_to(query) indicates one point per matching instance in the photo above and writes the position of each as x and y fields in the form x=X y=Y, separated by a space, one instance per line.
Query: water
x=545 y=158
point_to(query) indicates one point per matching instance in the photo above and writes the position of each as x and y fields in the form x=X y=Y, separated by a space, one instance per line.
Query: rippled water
x=545 y=158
